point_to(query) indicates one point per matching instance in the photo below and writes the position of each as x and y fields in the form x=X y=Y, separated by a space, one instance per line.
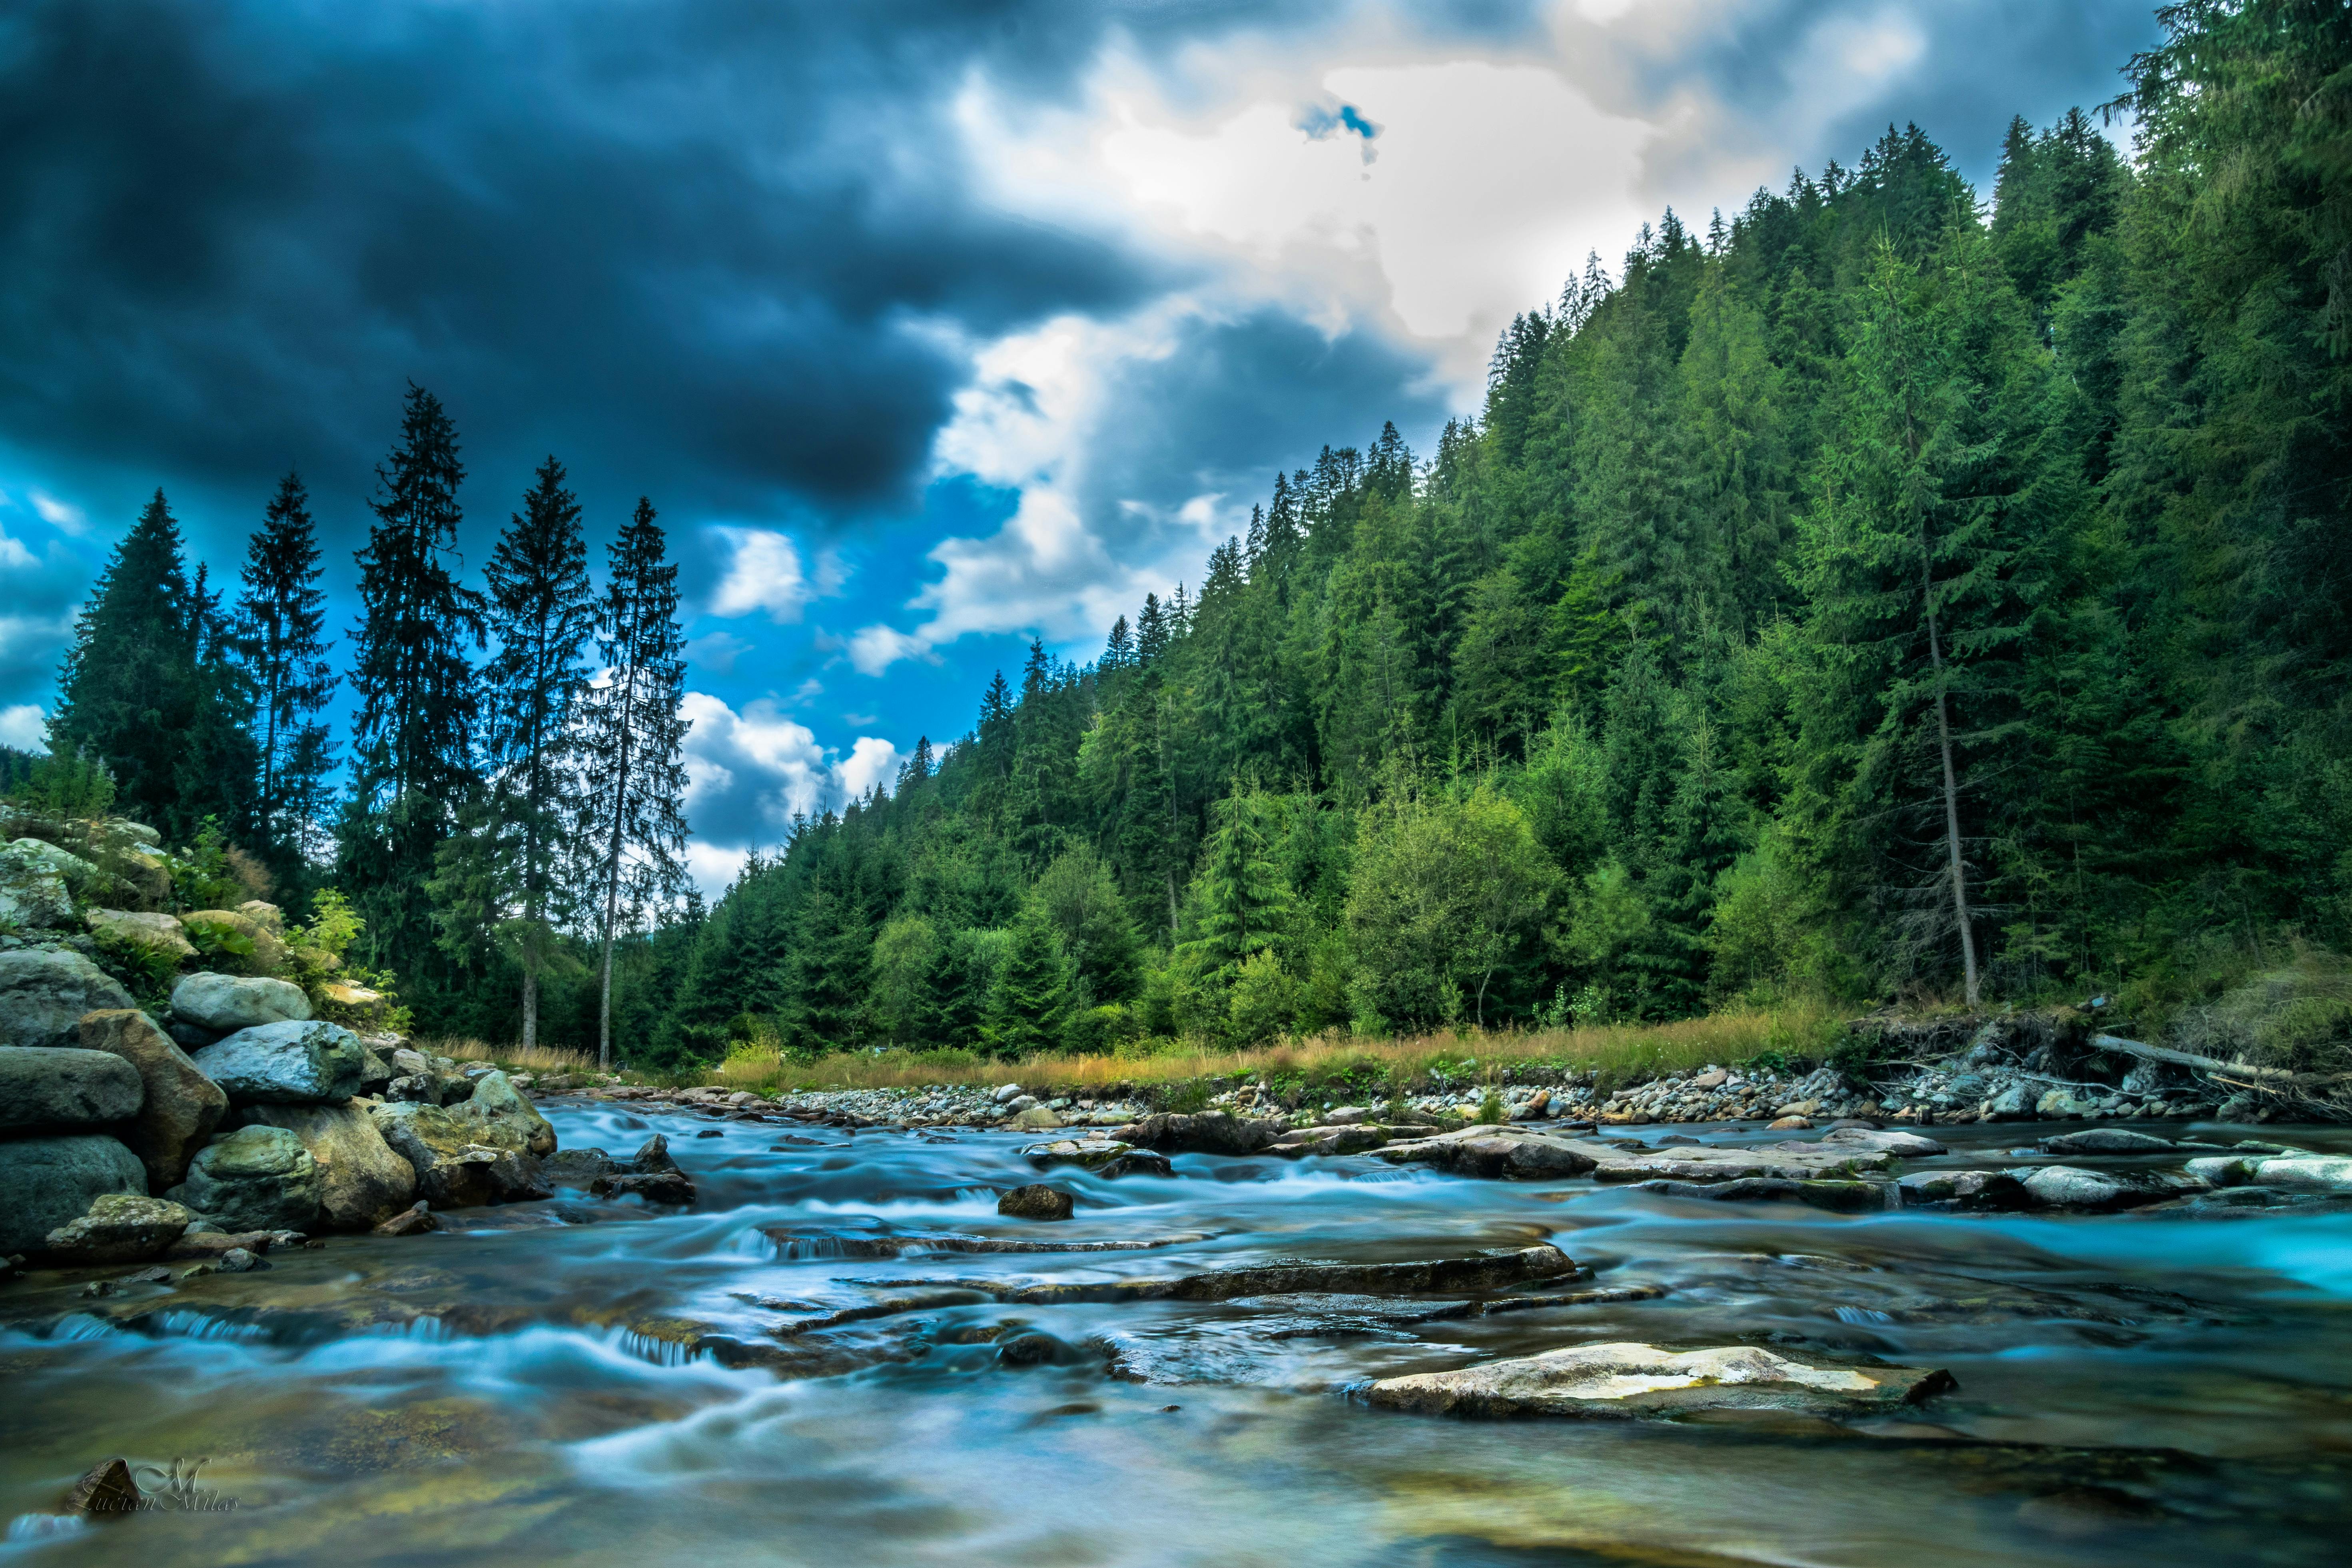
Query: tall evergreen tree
x=281 y=613
x=631 y=827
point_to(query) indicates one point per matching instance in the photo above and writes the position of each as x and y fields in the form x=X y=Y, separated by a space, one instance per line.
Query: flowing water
x=2159 y=1387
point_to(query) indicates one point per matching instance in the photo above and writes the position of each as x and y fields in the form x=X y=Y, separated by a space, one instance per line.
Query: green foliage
x=64 y=786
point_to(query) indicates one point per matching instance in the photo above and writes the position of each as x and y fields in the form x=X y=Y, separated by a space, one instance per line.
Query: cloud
x=875 y=648
x=717 y=652
x=750 y=772
x=60 y=515
x=24 y=726
x=870 y=762
x=764 y=573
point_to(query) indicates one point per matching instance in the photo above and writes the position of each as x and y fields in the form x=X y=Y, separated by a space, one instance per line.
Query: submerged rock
x=1966 y=1189
x=1845 y=1197
x=180 y=1106
x=119 y=1227
x=2107 y=1141
x=42 y=996
x=1635 y=1380
x=106 y=1491
x=48 y=1182
x=255 y=1178
x=2073 y=1187
x=1036 y=1201
x=44 y=1087
x=228 y=1003
x=1104 y=1156
x=361 y=1180
x=1499 y=1153
x=289 y=1063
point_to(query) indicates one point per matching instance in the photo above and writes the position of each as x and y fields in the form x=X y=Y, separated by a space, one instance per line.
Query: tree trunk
x=613 y=869
x=1952 y=810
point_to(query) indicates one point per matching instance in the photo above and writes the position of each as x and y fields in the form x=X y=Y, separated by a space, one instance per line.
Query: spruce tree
x=1030 y=1001
x=281 y=613
x=632 y=829
x=414 y=742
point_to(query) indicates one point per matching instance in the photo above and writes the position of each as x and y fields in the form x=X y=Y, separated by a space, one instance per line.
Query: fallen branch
x=2212 y=1065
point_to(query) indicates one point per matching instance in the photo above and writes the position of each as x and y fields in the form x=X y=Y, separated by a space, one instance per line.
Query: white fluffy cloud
x=749 y=774
x=764 y=573
x=24 y=726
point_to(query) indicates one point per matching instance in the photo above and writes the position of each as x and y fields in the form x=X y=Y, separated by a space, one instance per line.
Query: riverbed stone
x=255 y=1178
x=2318 y=1172
x=290 y=1063
x=118 y=1228
x=504 y=1116
x=181 y=1107
x=1840 y=1196
x=1966 y=1189
x=577 y=1167
x=157 y=933
x=1207 y=1132
x=1106 y=1157
x=42 y=996
x=1036 y=1201
x=48 y=1182
x=2107 y=1141
x=2076 y=1187
x=1639 y=1380
x=1791 y=1160
x=414 y=1220
x=360 y=1180
x=44 y=1087
x=1888 y=1141
x=1499 y=1153
x=229 y=1002
x=1035 y=1118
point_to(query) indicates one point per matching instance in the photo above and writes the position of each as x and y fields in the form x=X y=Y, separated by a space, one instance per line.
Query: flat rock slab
x=1790 y=1162
x=1845 y=1197
x=1964 y=1189
x=1901 y=1145
x=1500 y=1153
x=119 y=1227
x=2074 y=1187
x=2107 y=1141
x=1637 y=1380
x=1497 y=1271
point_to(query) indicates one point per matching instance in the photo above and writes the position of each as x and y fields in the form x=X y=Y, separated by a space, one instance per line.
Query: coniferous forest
x=1884 y=589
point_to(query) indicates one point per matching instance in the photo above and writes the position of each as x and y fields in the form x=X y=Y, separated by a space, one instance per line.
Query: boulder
x=188 y=1038
x=249 y=945
x=118 y=1228
x=255 y=1178
x=156 y=933
x=2012 y=1104
x=454 y=1169
x=1500 y=1153
x=48 y=1182
x=1901 y=1145
x=1788 y=1124
x=1637 y=1380
x=1210 y=1132
x=506 y=1117
x=292 y=1063
x=374 y=1076
x=228 y=1003
x=1105 y=1157
x=37 y=882
x=182 y=1106
x=2064 y=1105
x=1793 y=1162
x=106 y=1491
x=1036 y=1119
x=2317 y=1172
x=414 y=1220
x=360 y=1180
x=43 y=994
x=2107 y=1141
x=2073 y=1187
x=1964 y=1189
x=654 y=1186
x=1845 y=1197
x=1036 y=1201
x=577 y=1167
x=41 y=1086
x=267 y=916
x=1352 y=1139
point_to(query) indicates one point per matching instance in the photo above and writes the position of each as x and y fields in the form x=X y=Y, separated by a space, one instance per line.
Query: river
x=2136 y=1389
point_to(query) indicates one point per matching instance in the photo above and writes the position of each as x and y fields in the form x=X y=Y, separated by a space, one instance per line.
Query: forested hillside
x=1886 y=589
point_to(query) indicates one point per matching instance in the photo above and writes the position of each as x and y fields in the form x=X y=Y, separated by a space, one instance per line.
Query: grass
x=1376 y=1071
x=536 y=1058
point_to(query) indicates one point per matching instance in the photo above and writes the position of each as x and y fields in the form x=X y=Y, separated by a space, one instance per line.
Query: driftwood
x=2262 y=1076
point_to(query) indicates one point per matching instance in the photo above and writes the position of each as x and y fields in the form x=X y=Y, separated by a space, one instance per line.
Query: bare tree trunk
x=530 y=1008
x=612 y=874
x=1951 y=806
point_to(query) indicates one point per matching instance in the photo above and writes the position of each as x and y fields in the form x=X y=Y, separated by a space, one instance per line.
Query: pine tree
x=1030 y=1001
x=413 y=744
x=632 y=738
x=281 y=613
x=543 y=612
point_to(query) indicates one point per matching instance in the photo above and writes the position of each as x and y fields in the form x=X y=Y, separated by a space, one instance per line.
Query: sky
x=929 y=327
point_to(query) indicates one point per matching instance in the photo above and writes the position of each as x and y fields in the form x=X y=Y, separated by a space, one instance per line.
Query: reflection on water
x=601 y=1382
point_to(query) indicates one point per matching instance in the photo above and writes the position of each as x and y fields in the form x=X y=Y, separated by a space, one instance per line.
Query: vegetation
x=1878 y=593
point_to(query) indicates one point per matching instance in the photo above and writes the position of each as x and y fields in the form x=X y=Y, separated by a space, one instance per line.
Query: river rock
x=2012 y=1104
x=1208 y=1132
x=34 y=892
x=182 y=1106
x=1496 y=1270
x=267 y=916
x=2073 y=1187
x=1792 y=1162
x=1966 y=1189
x=289 y=1063
x=255 y=1178
x=229 y=1002
x=2310 y=1172
x=42 y=1087
x=157 y=933
x=1845 y=1197
x=1330 y=1140
x=1499 y=1153
x=655 y=1186
x=118 y=1228
x=414 y=1220
x=48 y=1182
x=1636 y=1380
x=1104 y=1156
x=189 y=1037
x=505 y=1117
x=1034 y=1119
x=1902 y=1146
x=2064 y=1105
x=1036 y=1201
x=2107 y=1141
x=360 y=1180
x=577 y=1167
x=454 y=1169
x=255 y=946
x=43 y=994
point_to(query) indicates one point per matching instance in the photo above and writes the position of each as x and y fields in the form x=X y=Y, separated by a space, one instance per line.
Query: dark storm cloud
x=689 y=239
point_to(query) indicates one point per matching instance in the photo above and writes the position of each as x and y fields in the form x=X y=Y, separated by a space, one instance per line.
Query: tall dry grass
x=534 y=1058
x=1619 y=1053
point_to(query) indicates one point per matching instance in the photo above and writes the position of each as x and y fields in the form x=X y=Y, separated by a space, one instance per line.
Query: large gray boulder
x=232 y=1001
x=361 y=1181
x=1637 y=1380
x=43 y=994
x=257 y=1178
x=286 y=1064
x=2076 y=1187
x=43 y=1087
x=118 y=1228
x=158 y=934
x=456 y=1168
x=181 y=1107
x=36 y=883
x=48 y=1182
x=498 y=1109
